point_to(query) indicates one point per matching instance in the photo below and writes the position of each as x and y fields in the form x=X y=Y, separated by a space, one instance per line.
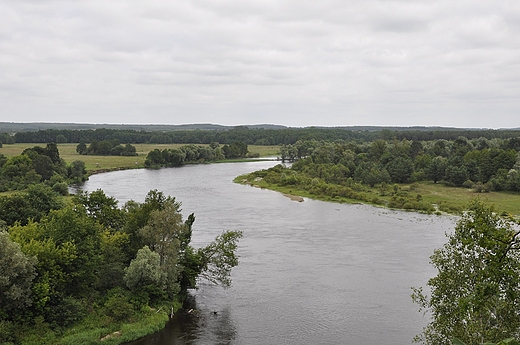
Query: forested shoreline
x=374 y=172
x=75 y=269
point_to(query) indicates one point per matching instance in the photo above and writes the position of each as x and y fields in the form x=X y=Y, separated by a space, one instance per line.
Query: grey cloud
x=291 y=62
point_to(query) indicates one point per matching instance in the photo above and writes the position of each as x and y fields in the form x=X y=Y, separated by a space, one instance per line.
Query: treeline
x=106 y=148
x=195 y=154
x=493 y=163
x=346 y=169
x=39 y=164
x=252 y=136
x=90 y=264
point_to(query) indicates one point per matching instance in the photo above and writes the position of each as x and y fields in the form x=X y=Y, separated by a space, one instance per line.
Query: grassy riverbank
x=424 y=196
x=100 y=329
x=108 y=163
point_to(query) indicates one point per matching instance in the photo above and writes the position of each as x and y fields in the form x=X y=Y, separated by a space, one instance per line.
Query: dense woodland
x=493 y=163
x=251 y=136
x=88 y=259
x=347 y=169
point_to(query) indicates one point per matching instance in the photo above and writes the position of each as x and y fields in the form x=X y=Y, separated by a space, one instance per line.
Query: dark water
x=309 y=273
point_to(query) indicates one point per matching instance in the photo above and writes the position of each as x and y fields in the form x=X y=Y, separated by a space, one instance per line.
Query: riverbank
x=100 y=329
x=117 y=333
x=423 y=197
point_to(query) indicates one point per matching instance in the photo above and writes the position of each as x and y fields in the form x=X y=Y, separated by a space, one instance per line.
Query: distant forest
x=250 y=135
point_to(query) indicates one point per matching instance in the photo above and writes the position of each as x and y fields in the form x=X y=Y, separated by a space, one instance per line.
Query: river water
x=310 y=272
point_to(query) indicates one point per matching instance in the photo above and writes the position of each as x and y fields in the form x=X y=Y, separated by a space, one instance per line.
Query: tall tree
x=437 y=169
x=475 y=296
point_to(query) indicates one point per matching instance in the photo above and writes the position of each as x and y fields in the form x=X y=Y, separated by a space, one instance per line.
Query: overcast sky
x=295 y=63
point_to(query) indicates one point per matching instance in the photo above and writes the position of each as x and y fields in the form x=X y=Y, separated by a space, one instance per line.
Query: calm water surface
x=310 y=272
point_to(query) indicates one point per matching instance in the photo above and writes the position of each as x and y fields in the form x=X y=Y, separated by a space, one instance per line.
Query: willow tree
x=168 y=235
x=475 y=296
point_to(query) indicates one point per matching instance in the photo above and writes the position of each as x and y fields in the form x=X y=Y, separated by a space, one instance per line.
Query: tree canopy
x=91 y=252
x=475 y=295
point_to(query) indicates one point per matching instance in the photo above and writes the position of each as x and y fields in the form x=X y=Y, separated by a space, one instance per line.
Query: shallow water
x=310 y=272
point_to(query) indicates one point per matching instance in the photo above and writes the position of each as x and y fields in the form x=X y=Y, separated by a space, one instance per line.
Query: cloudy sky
x=295 y=63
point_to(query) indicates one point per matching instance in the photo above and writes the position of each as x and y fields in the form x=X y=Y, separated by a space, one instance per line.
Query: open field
x=97 y=163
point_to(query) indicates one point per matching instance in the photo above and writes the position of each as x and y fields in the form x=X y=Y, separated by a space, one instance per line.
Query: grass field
x=97 y=163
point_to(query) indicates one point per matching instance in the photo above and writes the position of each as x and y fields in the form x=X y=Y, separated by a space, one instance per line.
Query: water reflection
x=194 y=322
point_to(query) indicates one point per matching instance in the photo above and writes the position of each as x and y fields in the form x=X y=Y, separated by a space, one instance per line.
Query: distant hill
x=14 y=127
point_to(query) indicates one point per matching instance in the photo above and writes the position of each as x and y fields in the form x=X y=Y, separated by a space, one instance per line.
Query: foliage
x=509 y=341
x=16 y=275
x=34 y=203
x=237 y=149
x=218 y=258
x=255 y=136
x=352 y=170
x=185 y=154
x=106 y=148
x=145 y=274
x=475 y=295
x=38 y=164
x=91 y=259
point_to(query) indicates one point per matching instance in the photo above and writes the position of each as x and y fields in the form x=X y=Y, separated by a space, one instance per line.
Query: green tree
x=77 y=171
x=145 y=274
x=82 y=148
x=51 y=151
x=42 y=199
x=43 y=166
x=54 y=260
x=102 y=208
x=475 y=296
x=437 y=169
x=219 y=257
x=16 y=275
x=400 y=169
x=71 y=224
x=60 y=138
x=163 y=234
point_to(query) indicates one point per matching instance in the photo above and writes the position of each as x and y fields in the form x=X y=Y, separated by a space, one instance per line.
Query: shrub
x=468 y=184
x=119 y=308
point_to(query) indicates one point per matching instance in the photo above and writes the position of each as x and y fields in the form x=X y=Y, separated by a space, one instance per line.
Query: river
x=310 y=272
